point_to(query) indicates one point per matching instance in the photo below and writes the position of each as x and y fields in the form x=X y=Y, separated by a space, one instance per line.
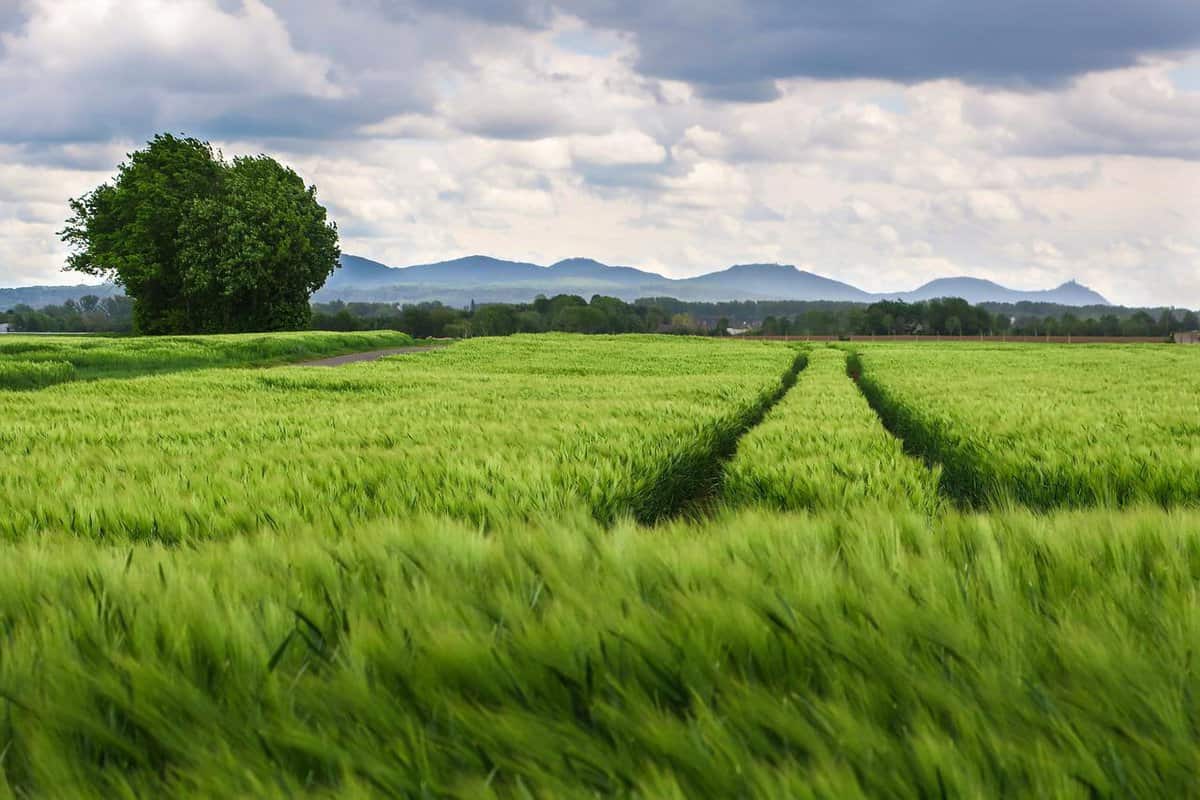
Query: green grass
x=1047 y=427
x=823 y=448
x=486 y=571
x=18 y=374
x=484 y=430
x=33 y=362
x=863 y=654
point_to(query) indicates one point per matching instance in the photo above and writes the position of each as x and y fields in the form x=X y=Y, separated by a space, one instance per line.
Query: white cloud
x=78 y=66
x=990 y=206
x=437 y=131
x=708 y=184
x=620 y=147
x=1136 y=111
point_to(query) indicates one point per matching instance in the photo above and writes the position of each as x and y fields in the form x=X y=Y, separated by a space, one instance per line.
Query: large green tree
x=203 y=245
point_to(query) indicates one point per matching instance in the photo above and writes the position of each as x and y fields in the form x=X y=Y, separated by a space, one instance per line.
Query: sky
x=880 y=142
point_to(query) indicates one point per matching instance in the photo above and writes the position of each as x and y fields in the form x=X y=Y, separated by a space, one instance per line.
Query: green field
x=1077 y=427
x=34 y=362
x=637 y=566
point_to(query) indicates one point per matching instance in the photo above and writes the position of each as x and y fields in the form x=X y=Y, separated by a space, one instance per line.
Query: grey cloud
x=735 y=49
x=318 y=80
x=762 y=213
x=12 y=14
x=12 y=17
x=524 y=13
x=624 y=177
x=752 y=91
x=516 y=124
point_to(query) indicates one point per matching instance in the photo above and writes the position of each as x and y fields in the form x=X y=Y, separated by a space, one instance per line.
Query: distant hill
x=976 y=290
x=590 y=270
x=484 y=279
x=41 y=296
x=356 y=271
x=774 y=282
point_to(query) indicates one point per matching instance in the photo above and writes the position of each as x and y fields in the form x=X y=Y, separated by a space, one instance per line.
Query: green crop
x=822 y=447
x=567 y=566
x=482 y=430
x=31 y=362
x=1047 y=427
x=766 y=655
x=19 y=374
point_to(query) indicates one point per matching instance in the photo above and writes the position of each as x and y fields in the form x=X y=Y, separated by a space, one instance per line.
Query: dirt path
x=370 y=355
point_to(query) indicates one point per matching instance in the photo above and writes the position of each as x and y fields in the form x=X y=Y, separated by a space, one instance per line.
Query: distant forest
x=951 y=316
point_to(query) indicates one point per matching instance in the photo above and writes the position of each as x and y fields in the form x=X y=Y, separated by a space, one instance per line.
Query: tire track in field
x=690 y=486
x=964 y=480
x=370 y=355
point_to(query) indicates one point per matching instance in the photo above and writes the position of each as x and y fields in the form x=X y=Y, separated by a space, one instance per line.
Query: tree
x=1138 y=324
x=202 y=245
x=494 y=320
x=252 y=257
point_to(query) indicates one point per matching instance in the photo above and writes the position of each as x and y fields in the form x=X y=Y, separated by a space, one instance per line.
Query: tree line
x=954 y=316
x=567 y=313
x=572 y=313
x=945 y=317
x=88 y=314
x=601 y=314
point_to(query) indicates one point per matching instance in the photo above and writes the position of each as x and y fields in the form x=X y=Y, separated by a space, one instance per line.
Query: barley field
x=33 y=362
x=580 y=566
x=1047 y=428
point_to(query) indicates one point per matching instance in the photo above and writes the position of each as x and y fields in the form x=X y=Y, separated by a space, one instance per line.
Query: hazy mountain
x=491 y=280
x=472 y=270
x=41 y=296
x=588 y=269
x=774 y=282
x=975 y=290
x=357 y=271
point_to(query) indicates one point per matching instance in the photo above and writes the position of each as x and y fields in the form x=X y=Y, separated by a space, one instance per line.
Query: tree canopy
x=203 y=245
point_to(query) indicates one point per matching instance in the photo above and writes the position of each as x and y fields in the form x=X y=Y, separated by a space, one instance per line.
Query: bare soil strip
x=371 y=355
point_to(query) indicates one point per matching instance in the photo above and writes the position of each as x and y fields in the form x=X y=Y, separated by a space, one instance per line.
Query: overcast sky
x=881 y=142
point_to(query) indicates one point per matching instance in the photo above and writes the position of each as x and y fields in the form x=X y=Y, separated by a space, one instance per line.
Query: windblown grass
x=1047 y=427
x=87 y=357
x=15 y=374
x=427 y=577
x=824 y=448
x=484 y=430
x=862 y=654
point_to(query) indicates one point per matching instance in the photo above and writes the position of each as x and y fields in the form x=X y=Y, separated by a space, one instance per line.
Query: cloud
x=74 y=70
x=737 y=49
x=1137 y=110
x=990 y=141
x=988 y=206
x=617 y=148
x=93 y=70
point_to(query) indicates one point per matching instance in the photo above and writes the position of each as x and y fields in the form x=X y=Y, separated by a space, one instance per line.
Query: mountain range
x=484 y=279
x=40 y=296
